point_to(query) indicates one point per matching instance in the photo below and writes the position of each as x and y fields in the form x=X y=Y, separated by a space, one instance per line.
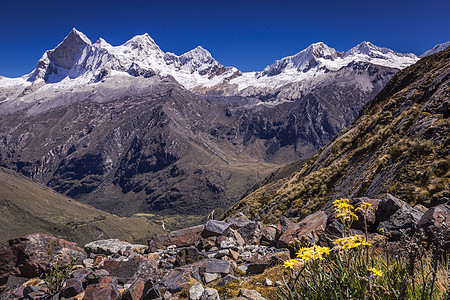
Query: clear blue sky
x=246 y=34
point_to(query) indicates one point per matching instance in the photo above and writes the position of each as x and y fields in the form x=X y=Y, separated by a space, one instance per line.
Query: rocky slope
x=27 y=207
x=218 y=260
x=398 y=144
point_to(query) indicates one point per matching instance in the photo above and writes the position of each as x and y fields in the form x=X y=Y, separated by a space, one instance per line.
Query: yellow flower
x=314 y=252
x=375 y=272
x=290 y=263
x=351 y=242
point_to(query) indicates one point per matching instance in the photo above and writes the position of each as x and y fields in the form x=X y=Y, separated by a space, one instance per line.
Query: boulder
x=251 y=232
x=396 y=217
x=435 y=225
x=188 y=255
x=310 y=227
x=237 y=221
x=94 y=276
x=196 y=291
x=250 y=294
x=209 y=277
x=269 y=260
x=215 y=228
x=113 y=246
x=177 y=280
x=31 y=255
x=73 y=287
x=105 y=291
x=135 y=291
x=128 y=270
x=371 y=216
x=212 y=265
x=180 y=238
x=210 y=294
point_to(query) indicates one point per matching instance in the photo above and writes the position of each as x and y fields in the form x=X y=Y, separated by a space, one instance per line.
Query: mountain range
x=132 y=129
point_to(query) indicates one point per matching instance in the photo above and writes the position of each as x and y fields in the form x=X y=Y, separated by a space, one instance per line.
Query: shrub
x=57 y=275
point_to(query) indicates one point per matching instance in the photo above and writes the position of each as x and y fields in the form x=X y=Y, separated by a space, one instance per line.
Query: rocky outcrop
x=201 y=262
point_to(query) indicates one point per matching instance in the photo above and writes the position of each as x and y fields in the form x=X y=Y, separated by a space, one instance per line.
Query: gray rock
x=196 y=291
x=223 y=267
x=113 y=246
x=268 y=282
x=215 y=228
x=238 y=220
x=209 y=277
x=396 y=216
x=210 y=294
x=243 y=269
x=222 y=253
x=250 y=294
x=251 y=232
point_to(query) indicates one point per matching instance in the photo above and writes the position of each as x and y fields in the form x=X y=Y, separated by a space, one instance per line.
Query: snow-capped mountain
x=76 y=60
x=318 y=59
x=436 y=49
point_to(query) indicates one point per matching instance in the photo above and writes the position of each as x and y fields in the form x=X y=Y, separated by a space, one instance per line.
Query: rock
x=31 y=255
x=238 y=220
x=268 y=235
x=236 y=236
x=435 y=225
x=12 y=284
x=396 y=217
x=212 y=265
x=209 y=277
x=310 y=227
x=206 y=244
x=228 y=244
x=73 y=287
x=151 y=291
x=127 y=271
x=94 y=276
x=250 y=294
x=188 y=255
x=222 y=253
x=88 y=262
x=210 y=294
x=283 y=225
x=215 y=228
x=225 y=280
x=251 y=232
x=135 y=291
x=113 y=246
x=268 y=260
x=180 y=238
x=177 y=279
x=234 y=254
x=106 y=291
x=268 y=282
x=196 y=291
x=243 y=269
x=34 y=292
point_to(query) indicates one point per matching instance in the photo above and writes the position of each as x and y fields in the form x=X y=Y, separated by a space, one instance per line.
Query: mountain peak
x=142 y=42
x=436 y=49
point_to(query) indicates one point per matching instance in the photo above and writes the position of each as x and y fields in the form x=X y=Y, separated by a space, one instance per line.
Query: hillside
x=27 y=207
x=399 y=144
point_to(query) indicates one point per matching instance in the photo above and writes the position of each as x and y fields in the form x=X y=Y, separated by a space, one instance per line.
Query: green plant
x=352 y=270
x=57 y=275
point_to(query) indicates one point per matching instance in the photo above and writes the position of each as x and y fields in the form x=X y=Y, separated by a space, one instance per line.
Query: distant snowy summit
x=436 y=49
x=77 y=61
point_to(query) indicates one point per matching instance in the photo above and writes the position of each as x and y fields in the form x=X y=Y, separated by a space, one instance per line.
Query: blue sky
x=246 y=34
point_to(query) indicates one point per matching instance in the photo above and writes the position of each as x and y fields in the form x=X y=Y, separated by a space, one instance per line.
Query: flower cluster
x=364 y=208
x=344 y=210
x=375 y=272
x=290 y=263
x=314 y=252
x=351 y=242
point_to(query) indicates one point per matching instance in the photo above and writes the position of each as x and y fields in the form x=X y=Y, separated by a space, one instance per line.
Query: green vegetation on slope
x=398 y=144
x=27 y=207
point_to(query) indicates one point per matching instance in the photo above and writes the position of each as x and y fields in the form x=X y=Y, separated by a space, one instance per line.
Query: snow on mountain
x=436 y=49
x=77 y=61
x=319 y=59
